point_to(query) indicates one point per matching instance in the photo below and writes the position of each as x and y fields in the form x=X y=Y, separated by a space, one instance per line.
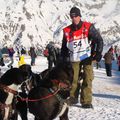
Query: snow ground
x=106 y=94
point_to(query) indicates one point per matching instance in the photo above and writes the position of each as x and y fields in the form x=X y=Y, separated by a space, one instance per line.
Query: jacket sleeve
x=64 y=49
x=97 y=43
x=96 y=38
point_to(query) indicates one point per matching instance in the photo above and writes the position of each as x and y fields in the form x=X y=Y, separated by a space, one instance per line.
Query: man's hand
x=97 y=57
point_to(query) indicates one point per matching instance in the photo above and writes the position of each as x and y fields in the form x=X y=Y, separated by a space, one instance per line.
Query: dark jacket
x=93 y=36
x=32 y=52
x=0 y=54
x=11 y=52
x=51 y=51
x=108 y=57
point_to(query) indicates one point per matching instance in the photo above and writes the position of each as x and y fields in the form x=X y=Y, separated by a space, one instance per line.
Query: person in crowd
x=108 y=62
x=118 y=61
x=76 y=48
x=51 y=55
x=98 y=65
x=21 y=60
x=11 y=54
x=33 y=55
x=1 y=59
x=23 y=50
x=111 y=49
x=57 y=52
x=116 y=51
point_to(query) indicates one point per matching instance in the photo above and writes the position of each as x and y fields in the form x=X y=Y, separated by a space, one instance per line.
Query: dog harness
x=63 y=105
x=7 y=89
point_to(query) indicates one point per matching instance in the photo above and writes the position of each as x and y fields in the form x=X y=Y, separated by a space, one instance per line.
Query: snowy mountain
x=39 y=21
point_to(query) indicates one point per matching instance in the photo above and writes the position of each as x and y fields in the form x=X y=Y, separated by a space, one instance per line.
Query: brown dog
x=46 y=101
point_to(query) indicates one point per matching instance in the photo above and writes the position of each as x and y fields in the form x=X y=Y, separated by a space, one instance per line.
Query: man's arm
x=97 y=40
x=64 y=49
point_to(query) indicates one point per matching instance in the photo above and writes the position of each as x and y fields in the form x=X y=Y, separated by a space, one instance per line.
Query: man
x=78 y=46
x=52 y=55
x=33 y=55
x=11 y=53
x=116 y=51
x=1 y=59
x=118 y=62
x=108 y=62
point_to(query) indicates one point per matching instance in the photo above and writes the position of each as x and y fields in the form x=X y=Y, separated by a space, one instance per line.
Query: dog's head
x=26 y=69
x=63 y=72
x=12 y=76
x=32 y=79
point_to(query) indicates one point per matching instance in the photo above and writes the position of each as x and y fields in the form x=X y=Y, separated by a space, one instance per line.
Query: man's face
x=75 y=19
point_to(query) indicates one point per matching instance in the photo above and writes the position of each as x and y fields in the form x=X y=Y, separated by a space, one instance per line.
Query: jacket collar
x=76 y=27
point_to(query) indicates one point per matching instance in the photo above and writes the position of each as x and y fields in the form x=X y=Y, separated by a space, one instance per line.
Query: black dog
x=9 y=83
x=46 y=101
x=32 y=80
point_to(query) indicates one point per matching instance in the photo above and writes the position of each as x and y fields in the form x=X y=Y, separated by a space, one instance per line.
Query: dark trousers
x=98 y=65
x=32 y=61
x=118 y=68
x=50 y=63
x=108 y=69
x=86 y=87
x=2 y=62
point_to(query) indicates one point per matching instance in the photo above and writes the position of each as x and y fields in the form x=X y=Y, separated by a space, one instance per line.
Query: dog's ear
x=29 y=68
x=26 y=69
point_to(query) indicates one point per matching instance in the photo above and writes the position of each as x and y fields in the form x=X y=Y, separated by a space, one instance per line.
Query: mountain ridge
x=39 y=21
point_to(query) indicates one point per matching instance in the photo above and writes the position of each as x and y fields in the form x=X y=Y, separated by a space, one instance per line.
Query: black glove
x=97 y=57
